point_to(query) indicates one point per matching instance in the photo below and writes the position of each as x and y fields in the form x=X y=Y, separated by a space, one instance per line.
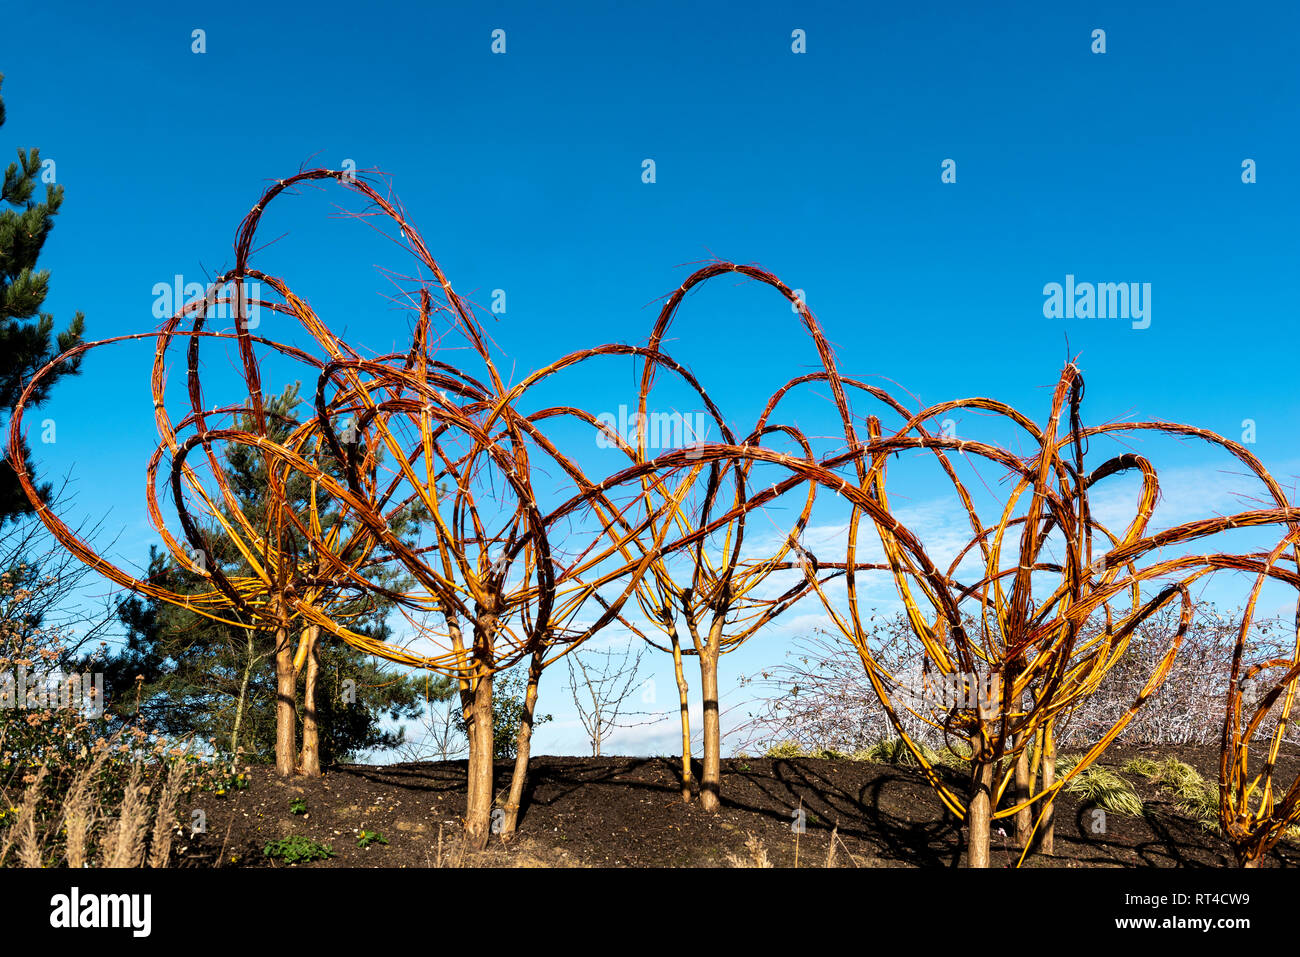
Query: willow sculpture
x=1255 y=810
x=1050 y=600
x=413 y=465
x=433 y=487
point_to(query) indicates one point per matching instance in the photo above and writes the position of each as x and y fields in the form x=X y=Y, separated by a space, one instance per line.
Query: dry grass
x=164 y=825
x=86 y=812
x=24 y=828
x=757 y=854
x=126 y=847
x=836 y=840
x=79 y=812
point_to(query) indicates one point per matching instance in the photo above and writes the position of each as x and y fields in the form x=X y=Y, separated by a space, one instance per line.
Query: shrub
x=1143 y=767
x=1196 y=797
x=73 y=788
x=1106 y=789
x=297 y=849
x=831 y=754
x=786 y=749
x=895 y=751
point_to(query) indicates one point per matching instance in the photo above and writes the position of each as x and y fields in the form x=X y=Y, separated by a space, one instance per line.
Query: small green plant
x=1196 y=797
x=895 y=751
x=832 y=754
x=956 y=757
x=298 y=806
x=1202 y=805
x=1178 y=775
x=225 y=780
x=1104 y=788
x=1143 y=767
x=371 y=837
x=297 y=849
x=786 y=749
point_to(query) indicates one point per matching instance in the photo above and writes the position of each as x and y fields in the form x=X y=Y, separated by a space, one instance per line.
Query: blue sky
x=523 y=172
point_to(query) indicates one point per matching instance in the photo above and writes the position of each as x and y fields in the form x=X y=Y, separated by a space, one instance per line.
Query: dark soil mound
x=627 y=812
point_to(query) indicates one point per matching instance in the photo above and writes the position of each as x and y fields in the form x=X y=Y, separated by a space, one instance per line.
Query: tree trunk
x=478 y=803
x=482 y=755
x=1024 y=787
x=1024 y=770
x=310 y=719
x=711 y=779
x=979 y=816
x=482 y=749
x=688 y=780
x=1251 y=863
x=286 y=699
x=1047 y=844
x=523 y=745
x=242 y=702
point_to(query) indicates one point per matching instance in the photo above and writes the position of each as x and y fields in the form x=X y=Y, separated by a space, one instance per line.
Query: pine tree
x=25 y=331
x=219 y=682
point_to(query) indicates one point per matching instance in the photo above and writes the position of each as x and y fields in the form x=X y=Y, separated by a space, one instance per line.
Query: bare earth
x=627 y=812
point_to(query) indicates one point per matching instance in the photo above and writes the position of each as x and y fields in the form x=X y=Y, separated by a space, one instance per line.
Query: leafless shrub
x=440 y=738
x=1189 y=707
x=819 y=698
x=601 y=683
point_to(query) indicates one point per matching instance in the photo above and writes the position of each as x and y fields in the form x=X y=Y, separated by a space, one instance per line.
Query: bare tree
x=818 y=697
x=442 y=739
x=53 y=578
x=601 y=683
